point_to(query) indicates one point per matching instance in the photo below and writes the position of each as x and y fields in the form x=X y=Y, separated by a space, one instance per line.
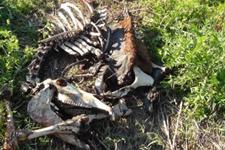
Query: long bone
x=130 y=54
x=73 y=125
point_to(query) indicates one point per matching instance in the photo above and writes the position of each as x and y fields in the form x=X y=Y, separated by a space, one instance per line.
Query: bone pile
x=109 y=63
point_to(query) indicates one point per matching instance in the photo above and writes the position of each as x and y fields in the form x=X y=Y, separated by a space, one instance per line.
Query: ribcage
x=78 y=31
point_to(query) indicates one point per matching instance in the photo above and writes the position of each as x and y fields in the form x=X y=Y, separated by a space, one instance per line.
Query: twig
x=105 y=147
x=177 y=125
x=217 y=146
x=166 y=128
x=10 y=141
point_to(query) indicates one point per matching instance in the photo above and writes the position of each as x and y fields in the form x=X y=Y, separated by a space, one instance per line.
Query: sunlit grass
x=186 y=35
x=193 y=36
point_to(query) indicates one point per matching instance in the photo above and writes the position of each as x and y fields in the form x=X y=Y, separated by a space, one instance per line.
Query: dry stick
x=217 y=146
x=103 y=144
x=165 y=123
x=10 y=141
x=177 y=125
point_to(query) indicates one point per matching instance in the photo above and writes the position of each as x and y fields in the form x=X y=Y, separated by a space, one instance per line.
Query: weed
x=194 y=46
x=186 y=35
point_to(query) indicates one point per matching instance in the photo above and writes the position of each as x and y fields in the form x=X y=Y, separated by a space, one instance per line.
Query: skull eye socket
x=61 y=82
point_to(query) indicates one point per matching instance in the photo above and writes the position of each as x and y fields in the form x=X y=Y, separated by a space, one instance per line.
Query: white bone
x=99 y=33
x=103 y=15
x=67 y=9
x=102 y=10
x=77 y=10
x=82 y=97
x=64 y=126
x=67 y=49
x=96 y=51
x=39 y=108
x=101 y=25
x=89 y=6
x=81 y=46
x=85 y=45
x=75 y=21
x=88 y=40
x=94 y=34
x=159 y=67
x=59 y=23
x=141 y=79
x=94 y=25
x=65 y=21
x=74 y=48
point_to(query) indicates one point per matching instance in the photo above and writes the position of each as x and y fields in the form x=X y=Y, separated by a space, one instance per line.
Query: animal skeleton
x=61 y=106
x=75 y=35
x=40 y=109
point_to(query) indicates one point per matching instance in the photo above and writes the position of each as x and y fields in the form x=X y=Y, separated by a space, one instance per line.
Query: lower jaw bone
x=65 y=130
x=141 y=79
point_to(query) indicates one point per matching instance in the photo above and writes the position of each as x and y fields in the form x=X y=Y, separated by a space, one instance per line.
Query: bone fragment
x=141 y=79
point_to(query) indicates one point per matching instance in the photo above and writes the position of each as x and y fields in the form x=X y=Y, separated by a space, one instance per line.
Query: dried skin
x=128 y=55
x=143 y=59
x=133 y=52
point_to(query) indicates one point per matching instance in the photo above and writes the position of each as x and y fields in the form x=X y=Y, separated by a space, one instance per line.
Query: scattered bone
x=141 y=79
x=72 y=125
x=81 y=35
x=69 y=126
x=159 y=67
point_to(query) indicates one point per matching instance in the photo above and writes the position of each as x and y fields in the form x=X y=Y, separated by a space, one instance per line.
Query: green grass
x=193 y=37
x=186 y=35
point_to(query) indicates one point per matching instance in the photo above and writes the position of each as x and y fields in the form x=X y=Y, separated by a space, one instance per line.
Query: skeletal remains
x=113 y=57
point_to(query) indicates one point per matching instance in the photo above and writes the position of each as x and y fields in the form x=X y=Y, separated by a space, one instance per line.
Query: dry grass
x=172 y=124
